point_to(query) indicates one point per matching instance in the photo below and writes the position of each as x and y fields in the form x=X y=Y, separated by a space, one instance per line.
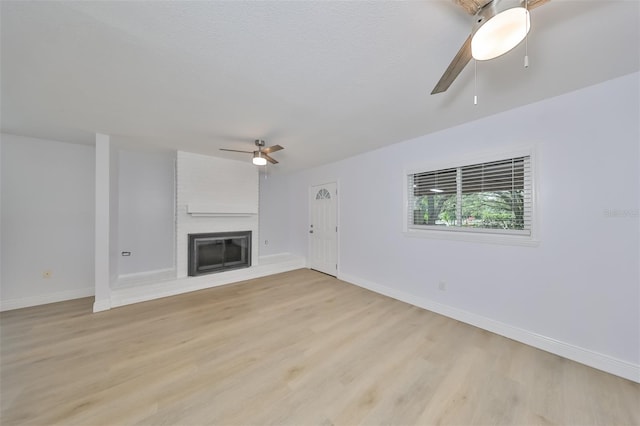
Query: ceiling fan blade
x=269 y=159
x=271 y=149
x=472 y=6
x=235 y=150
x=456 y=66
x=532 y=4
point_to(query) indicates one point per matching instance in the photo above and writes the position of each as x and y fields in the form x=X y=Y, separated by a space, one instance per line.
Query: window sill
x=474 y=237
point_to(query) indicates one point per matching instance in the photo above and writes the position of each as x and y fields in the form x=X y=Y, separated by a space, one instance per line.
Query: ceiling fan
x=499 y=26
x=261 y=156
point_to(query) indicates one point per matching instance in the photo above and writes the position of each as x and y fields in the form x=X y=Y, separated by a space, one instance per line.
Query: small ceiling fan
x=261 y=156
x=499 y=26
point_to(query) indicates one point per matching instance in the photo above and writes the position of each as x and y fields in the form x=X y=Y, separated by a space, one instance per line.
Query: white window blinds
x=493 y=197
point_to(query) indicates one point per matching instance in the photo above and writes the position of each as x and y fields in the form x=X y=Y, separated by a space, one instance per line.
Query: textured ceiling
x=326 y=80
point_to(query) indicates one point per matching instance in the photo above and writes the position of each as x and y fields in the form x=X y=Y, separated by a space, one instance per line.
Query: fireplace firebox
x=217 y=252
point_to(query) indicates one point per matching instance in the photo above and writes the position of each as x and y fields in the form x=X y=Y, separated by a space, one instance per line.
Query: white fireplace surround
x=214 y=195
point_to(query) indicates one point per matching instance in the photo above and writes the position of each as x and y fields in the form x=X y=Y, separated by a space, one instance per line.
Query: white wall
x=274 y=217
x=578 y=290
x=47 y=221
x=146 y=218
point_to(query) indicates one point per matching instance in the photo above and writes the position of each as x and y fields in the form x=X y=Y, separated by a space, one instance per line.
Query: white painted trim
x=221 y=209
x=584 y=356
x=101 y=305
x=269 y=265
x=145 y=273
x=102 y=231
x=274 y=258
x=222 y=214
x=473 y=237
x=339 y=225
x=43 y=299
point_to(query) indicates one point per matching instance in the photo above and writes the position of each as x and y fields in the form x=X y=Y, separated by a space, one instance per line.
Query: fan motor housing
x=491 y=9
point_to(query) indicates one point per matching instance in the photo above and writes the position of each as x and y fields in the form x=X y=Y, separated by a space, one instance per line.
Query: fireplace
x=217 y=252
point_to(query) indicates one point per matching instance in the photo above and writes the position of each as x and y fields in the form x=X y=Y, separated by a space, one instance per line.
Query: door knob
x=311 y=232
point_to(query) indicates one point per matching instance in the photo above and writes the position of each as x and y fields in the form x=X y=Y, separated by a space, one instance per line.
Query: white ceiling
x=326 y=80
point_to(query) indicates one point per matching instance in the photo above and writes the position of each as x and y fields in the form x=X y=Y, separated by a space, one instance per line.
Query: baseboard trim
x=43 y=299
x=101 y=305
x=145 y=273
x=584 y=356
x=267 y=265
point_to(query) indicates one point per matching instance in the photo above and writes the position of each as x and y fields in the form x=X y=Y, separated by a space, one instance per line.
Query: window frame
x=482 y=235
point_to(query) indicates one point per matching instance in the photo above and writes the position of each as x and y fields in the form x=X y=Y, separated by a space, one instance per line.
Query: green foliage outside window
x=494 y=210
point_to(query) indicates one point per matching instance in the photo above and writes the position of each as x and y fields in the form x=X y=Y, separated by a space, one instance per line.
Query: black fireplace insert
x=217 y=252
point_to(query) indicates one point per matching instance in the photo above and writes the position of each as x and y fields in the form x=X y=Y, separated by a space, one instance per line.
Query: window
x=323 y=194
x=492 y=197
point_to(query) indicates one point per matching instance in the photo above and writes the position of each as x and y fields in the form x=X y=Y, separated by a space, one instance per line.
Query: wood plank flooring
x=299 y=348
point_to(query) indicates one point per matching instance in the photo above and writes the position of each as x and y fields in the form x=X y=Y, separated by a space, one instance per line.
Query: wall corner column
x=102 y=224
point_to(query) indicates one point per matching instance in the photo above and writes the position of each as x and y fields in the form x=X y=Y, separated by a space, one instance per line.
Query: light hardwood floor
x=298 y=348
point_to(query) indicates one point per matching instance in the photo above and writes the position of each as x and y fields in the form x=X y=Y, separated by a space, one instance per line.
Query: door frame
x=310 y=198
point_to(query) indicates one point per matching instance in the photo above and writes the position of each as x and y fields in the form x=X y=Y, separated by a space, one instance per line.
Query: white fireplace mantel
x=221 y=210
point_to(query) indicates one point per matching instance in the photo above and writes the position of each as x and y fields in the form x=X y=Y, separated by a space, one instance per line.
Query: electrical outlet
x=47 y=274
x=442 y=286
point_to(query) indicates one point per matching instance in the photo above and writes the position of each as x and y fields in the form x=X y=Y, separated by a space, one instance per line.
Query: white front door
x=323 y=229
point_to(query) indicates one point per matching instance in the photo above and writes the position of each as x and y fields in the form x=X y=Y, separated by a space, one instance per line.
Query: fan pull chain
x=526 y=36
x=475 y=82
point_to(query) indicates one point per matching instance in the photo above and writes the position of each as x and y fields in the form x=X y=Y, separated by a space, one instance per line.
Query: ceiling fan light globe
x=500 y=33
x=259 y=161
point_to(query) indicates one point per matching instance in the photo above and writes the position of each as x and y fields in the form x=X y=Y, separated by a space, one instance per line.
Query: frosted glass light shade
x=500 y=34
x=258 y=160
